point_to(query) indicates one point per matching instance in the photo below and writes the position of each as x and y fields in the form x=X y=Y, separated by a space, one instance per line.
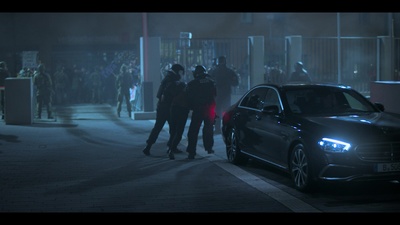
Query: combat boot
x=130 y=114
x=191 y=156
x=49 y=116
x=146 y=150
x=171 y=154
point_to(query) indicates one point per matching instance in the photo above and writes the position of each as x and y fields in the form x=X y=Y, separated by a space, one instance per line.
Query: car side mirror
x=380 y=106
x=270 y=109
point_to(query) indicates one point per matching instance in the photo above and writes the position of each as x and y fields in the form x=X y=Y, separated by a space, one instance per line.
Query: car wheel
x=300 y=169
x=232 y=149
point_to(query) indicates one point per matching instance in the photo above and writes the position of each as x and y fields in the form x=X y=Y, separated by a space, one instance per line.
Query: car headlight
x=332 y=145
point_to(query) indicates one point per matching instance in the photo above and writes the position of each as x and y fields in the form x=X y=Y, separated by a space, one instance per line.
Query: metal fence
x=358 y=57
x=358 y=61
x=203 y=51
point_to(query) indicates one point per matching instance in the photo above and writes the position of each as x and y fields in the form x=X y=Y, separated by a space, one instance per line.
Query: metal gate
x=320 y=56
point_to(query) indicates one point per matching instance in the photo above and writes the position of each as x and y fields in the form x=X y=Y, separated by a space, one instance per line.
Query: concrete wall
x=386 y=92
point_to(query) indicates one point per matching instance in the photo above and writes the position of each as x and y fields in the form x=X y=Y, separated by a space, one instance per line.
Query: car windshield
x=326 y=100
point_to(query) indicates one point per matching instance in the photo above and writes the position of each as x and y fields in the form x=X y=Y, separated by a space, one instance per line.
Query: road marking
x=288 y=200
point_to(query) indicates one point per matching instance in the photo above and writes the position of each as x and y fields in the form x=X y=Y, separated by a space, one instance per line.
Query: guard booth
x=18 y=102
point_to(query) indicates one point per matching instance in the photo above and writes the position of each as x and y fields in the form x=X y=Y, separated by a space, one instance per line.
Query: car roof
x=297 y=85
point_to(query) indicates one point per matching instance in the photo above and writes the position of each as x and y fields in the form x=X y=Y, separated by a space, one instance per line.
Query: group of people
x=50 y=88
x=128 y=89
x=276 y=75
x=42 y=82
x=176 y=99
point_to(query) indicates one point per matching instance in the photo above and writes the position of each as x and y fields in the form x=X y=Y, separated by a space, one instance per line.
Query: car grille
x=380 y=152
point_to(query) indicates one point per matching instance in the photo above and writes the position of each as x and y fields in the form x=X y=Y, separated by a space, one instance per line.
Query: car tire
x=233 y=152
x=300 y=169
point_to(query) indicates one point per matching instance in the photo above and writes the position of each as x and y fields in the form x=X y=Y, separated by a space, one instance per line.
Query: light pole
x=338 y=49
x=185 y=43
x=270 y=18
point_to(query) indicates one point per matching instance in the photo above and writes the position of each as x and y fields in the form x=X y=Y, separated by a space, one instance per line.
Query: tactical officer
x=123 y=82
x=299 y=74
x=225 y=78
x=61 y=83
x=97 y=85
x=201 y=93
x=276 y=75
x=213 y=66
x=179 y=114
x=164 y=104
x=44 y=91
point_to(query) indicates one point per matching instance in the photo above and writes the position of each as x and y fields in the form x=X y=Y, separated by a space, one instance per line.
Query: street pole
x=338 y=49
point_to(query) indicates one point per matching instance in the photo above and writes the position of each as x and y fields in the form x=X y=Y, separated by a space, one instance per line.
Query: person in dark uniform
x=179 y=114
x=97 y=85
x=299 y=74
x=276 y=75
x=4 y=73
x=213 y=66
x=44 y=91
x=164 y=105
x=201 y=93
x=61 y=82
x=225 y=78
x=123 y=82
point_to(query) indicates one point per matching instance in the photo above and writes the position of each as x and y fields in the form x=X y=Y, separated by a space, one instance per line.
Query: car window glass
x=291 y=97
x=326 y=100
x=254 y=99
x=271 y=98
x=301 y=101
x=355 y=103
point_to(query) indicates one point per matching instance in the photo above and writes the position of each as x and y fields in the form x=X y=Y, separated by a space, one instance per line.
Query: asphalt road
x=87 y=160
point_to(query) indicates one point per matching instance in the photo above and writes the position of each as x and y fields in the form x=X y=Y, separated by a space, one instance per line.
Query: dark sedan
x=315 y=132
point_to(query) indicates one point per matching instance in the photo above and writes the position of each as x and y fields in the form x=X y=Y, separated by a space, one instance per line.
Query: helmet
x=41 y=67
x=221 y=60
x=199 y=70
x=124 y=68
x=299 y=65
x=214 y=61
x=177 y=67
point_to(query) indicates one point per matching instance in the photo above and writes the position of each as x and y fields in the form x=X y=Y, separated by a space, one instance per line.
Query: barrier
x=386 y=92
x=18 y=101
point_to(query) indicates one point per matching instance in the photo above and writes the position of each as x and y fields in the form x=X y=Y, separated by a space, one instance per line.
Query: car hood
x=375 y=126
